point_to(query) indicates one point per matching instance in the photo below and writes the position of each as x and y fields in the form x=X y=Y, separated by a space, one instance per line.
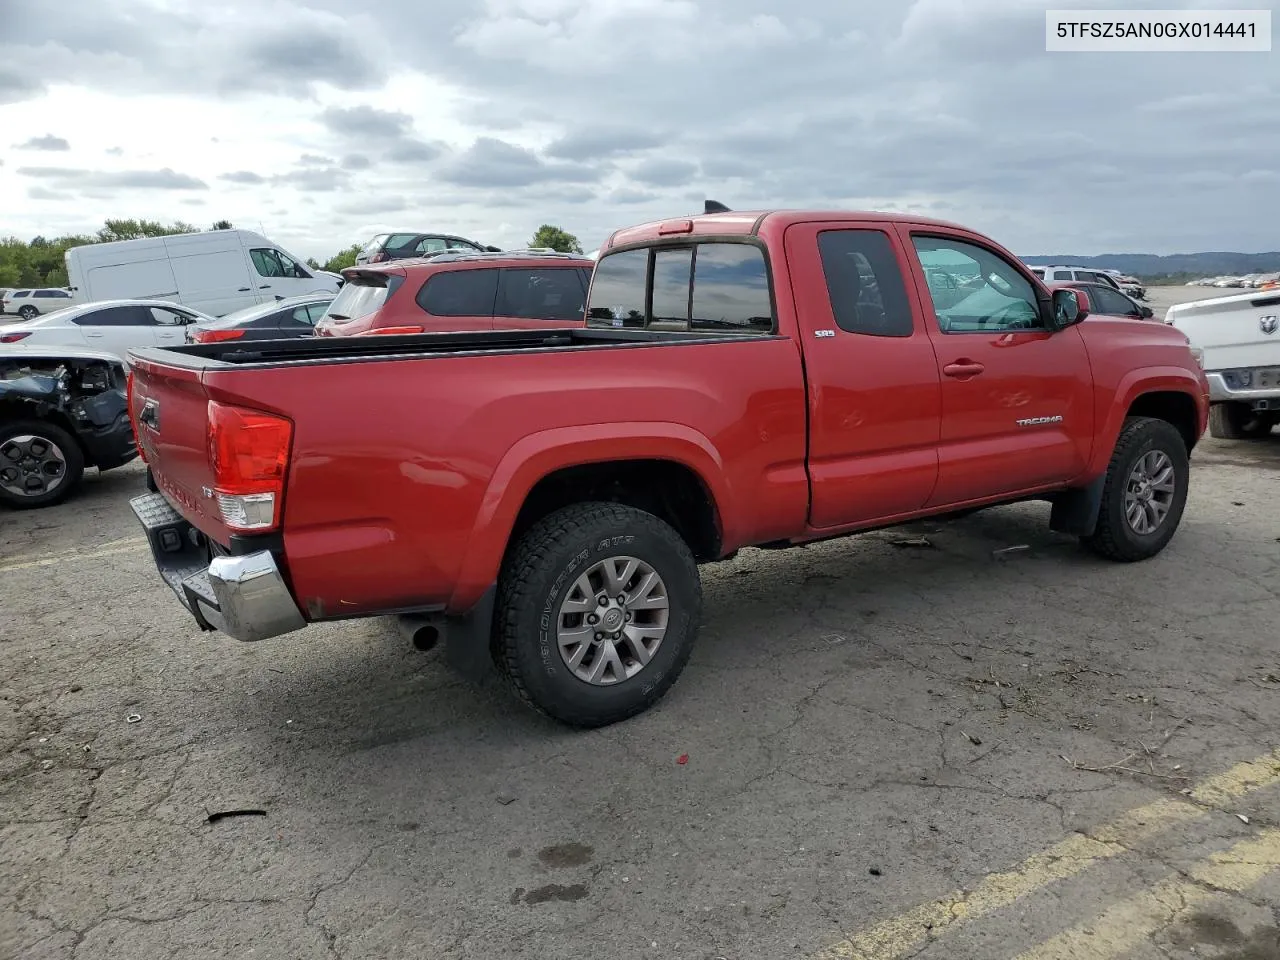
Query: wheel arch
x=666 y=468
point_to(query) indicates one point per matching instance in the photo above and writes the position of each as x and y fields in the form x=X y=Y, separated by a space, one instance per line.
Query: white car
x=113 y=326
x=1238 y=339
x=29 y=304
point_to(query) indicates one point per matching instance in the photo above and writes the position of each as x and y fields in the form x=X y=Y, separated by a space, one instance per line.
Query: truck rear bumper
x=243 y=596
x=1219 y=392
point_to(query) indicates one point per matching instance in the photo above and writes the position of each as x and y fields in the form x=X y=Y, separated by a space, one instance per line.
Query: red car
x=461 y=292
x=542 y=502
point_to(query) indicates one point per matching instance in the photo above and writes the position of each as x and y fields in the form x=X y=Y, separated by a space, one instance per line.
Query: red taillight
x=133 y=420
x=249 y=453
x=378 y=257
x=390 y=331
x=13 y=337
x=213 y=336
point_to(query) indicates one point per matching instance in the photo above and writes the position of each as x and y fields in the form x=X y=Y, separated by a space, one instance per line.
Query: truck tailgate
x=169 y=407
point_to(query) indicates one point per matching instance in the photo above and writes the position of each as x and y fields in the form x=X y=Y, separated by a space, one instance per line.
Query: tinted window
x=461 y=245
x=1105 y=300
x=990 y=296
x=460 y=293
x=291 y=267
x=398 y=240
x=672 y=275
x=618 y=290
x=730 y=288
x=138 y=316
x=20 y=293
x=865 y=285
x=1062 y=275
x=52 y=294
x=546 y=294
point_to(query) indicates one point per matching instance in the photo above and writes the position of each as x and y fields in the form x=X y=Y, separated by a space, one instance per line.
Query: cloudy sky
x=324 y=121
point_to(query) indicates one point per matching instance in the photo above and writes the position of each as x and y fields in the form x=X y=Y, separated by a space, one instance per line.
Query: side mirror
x=1069 y=308
x=1147 y=313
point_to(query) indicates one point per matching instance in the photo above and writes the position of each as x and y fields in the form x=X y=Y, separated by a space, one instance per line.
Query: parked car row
x=1264 y=281
x=1130 y=286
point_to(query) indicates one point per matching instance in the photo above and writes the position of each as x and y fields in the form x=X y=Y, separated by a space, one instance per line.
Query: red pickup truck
x=542 y=499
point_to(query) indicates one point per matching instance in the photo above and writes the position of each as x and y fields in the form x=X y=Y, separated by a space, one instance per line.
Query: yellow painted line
x=1130 y=922
x=902 y=935
x=110 y=549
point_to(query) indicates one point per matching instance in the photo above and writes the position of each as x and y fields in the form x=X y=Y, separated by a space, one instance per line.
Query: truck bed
x=309 y=350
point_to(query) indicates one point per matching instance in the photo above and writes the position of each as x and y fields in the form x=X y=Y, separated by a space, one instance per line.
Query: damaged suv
x=61 y=409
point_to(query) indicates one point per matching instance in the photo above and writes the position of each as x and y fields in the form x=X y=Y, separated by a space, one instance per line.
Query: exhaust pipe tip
x=422 y=632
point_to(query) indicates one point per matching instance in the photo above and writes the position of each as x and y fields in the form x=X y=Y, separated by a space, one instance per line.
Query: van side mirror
x=1069 y=308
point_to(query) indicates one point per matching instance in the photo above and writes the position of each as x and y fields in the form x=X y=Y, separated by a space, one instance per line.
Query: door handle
x=244 y=289
x=94 y=336
x=265 y=286
x=963 y=369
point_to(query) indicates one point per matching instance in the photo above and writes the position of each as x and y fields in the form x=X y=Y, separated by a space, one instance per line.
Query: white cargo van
x=215 y=272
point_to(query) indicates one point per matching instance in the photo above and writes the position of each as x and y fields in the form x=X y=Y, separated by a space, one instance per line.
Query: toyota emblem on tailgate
x=1268 y=324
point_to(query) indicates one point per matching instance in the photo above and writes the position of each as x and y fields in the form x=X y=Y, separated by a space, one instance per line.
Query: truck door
x=874 y=402
x=1017 y=398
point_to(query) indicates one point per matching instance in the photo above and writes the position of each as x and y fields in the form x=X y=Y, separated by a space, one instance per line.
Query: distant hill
x=1174 y=266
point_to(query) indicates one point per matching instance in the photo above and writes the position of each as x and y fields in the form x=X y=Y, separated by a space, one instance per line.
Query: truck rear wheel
x=1144 y=493
x=40 y=464
x=598 y=607
x=1235 y=421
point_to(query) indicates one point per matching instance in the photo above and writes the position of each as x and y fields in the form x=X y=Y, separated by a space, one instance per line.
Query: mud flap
x=1076 y=511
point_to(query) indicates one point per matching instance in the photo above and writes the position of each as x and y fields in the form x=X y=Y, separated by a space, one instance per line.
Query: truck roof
x=752 y=222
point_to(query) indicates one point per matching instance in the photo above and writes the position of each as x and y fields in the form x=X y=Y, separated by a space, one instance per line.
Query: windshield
x=356 y=299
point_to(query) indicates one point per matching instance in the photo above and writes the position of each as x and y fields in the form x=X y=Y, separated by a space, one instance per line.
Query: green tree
x=223 y=225
x=133 y=229
x=339 y=262
x=557 y=239
x=313 y=263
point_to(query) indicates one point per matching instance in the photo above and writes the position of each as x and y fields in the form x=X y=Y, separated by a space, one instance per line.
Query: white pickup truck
x=1239 y=340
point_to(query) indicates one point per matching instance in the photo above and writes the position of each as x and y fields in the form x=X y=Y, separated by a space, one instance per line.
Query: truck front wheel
x=598 y=607
x=1144 y=493
x=1235 y=421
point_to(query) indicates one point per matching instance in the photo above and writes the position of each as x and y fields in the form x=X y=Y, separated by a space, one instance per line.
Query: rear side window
x=398 y=240
x=430 y=245
x=731 y=289
x=546 y=294
x=359 y=298
x=618 y=290
x=135 y=316
x=864 y=282
x=705 y=286
x=460 y=293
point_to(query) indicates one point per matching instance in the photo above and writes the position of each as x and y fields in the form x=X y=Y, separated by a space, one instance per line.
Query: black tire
x=28 y=312
x=1235 y=421
x=1114 y=537
x=537 y=578
x=72 y=459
